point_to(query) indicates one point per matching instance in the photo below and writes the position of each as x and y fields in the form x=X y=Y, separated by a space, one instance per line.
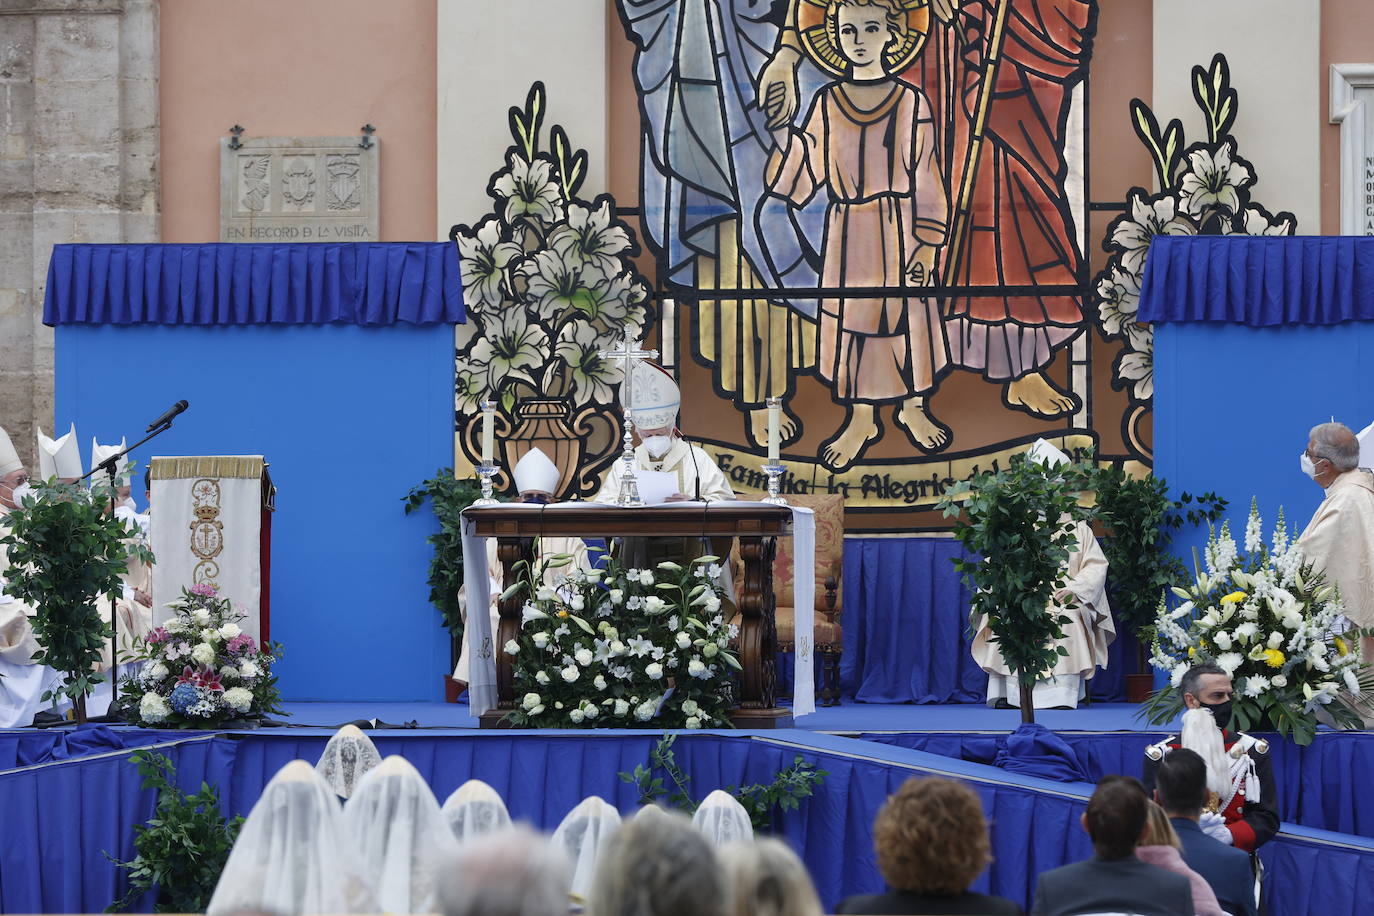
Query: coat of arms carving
x=298 y=181
x=344 y=188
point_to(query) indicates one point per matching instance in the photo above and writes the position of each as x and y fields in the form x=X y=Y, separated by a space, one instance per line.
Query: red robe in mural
x=1019 y=228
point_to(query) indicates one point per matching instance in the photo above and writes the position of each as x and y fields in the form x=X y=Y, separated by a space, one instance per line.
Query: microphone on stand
x=696 y=474
x=167 y=417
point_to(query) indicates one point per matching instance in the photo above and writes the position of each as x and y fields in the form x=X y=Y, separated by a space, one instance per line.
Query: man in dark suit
x=1113 y=880
x=1181 y=789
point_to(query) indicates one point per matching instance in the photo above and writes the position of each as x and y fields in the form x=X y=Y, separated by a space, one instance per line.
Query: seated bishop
x=656 y=399
x=22 y=682
x=537 y=479
x=1090 y=630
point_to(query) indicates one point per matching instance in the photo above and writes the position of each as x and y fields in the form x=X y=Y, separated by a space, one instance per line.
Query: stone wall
x=79 y=146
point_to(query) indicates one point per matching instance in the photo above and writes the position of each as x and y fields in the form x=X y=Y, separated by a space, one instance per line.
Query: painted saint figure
x=868 y=142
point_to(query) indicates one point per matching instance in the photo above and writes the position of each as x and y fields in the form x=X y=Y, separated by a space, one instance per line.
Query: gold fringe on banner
x=234 y=466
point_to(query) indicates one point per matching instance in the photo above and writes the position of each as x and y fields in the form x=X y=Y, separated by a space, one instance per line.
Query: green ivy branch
x=784 y=793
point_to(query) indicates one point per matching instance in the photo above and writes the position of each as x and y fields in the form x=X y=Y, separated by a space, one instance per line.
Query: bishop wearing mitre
x=1090 y=630
x=538 y=480
x=22 y=682
x=135 y=603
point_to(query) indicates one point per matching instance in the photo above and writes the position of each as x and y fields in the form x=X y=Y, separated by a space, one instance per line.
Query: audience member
x=511 y=872
x=722 y=819
x=1181 y=785
x=1113 y=880
x=658 y=865
x=932 y=841
x=474 y=810
x=347 y=758
x=1160 y=846
x=292 y=855
x=764 y=877
x=583 y=835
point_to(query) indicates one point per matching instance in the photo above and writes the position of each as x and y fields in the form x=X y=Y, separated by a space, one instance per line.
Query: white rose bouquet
x=1274 y=624
x=624 y=648
x=200 y=669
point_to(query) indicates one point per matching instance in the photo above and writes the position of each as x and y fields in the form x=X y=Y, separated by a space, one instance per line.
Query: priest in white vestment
x=21 y=681
x=661 y=446
x=135 y=603
x=1339 y=540
x=537 y=478
x=1087 y=635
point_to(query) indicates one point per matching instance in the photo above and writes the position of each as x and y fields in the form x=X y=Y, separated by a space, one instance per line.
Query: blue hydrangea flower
x=183 y=697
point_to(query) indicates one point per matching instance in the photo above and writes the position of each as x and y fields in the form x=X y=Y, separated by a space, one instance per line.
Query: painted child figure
x=869 y=141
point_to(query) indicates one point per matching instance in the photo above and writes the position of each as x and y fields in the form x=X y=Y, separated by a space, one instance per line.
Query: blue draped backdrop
x=61 y=817
x=906 y=633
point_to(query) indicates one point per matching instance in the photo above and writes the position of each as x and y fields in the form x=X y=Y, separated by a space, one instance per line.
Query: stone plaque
x=298 y=189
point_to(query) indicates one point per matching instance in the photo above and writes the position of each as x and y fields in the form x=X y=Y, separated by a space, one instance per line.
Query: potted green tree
x=1018 y=526
x=65 y=551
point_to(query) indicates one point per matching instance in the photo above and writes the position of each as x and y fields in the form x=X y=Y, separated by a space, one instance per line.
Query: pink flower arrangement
x=203 y=589
x=241 y=643
x=157 y=637
x=206 y=677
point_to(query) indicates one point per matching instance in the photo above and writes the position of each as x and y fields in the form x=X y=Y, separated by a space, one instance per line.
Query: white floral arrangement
x=623 y=648
x=547 y=279
x=1275 y=625
x=200 y=670
x=1205 y=190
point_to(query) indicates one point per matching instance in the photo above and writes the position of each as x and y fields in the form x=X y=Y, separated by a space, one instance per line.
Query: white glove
x=1214 y=825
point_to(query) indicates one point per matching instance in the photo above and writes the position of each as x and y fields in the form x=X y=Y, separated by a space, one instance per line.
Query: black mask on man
x=1221 y=712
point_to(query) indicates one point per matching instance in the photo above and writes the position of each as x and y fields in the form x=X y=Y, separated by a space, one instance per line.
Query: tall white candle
x=488 y=432
x=774 y=421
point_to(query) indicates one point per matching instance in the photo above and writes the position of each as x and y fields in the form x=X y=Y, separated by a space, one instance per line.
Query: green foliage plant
x=785 y=793
x=1020 y=520
x=183 y=847
x=65 y=551
x=448 y=496
x=1139 y=519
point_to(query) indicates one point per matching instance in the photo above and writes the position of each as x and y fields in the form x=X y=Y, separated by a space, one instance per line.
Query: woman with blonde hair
x=1160 y=846
x=932 y=842
x=764 y=877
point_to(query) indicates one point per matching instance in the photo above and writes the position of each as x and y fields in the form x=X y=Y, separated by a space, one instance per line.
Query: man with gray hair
x=1339 y=540
x=513 y=872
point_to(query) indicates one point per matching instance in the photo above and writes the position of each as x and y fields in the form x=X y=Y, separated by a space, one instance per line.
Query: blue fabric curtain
x=1313 y=782
x=1259 y=281
x=24 y=747
x=223 y=284
x=905 y=622
x=61 y=817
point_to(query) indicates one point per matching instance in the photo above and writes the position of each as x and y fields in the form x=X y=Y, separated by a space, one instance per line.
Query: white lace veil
x=401 y=836
x=292 y=855
x=583 y=835
x=723 y=819
x=346 y=759
x=474 y=810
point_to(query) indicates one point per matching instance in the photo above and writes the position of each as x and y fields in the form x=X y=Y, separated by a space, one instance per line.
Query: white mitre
x=100 y=453
x=1041 y=452
x=9 y=458
x=536 y=472
x=655 y=396
x=1366 y=438
x=59 y=457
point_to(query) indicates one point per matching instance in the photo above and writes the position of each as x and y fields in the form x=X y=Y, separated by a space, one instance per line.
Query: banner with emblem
x=209 y=527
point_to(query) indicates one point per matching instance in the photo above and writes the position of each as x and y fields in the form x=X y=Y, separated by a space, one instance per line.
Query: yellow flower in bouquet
x=1341 y=647
x=1274 y=658
x=1233 y=598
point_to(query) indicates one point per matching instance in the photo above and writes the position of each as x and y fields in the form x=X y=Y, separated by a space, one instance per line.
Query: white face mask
x=1308 y=467
x=657 y=446
x=18 y=493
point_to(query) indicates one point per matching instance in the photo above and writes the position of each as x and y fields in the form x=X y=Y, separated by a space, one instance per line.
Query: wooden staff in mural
x=869 y=144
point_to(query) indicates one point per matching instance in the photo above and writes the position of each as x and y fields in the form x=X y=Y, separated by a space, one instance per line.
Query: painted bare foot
x=926 y=433
x=861 y=428
x=789 y=427
x=1038 y=395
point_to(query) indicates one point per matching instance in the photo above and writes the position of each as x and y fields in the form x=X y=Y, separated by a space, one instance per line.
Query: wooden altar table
x=755 y=526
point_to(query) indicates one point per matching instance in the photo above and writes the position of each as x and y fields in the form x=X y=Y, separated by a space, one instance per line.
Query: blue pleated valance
x=1260 y=281
x=222 y=284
